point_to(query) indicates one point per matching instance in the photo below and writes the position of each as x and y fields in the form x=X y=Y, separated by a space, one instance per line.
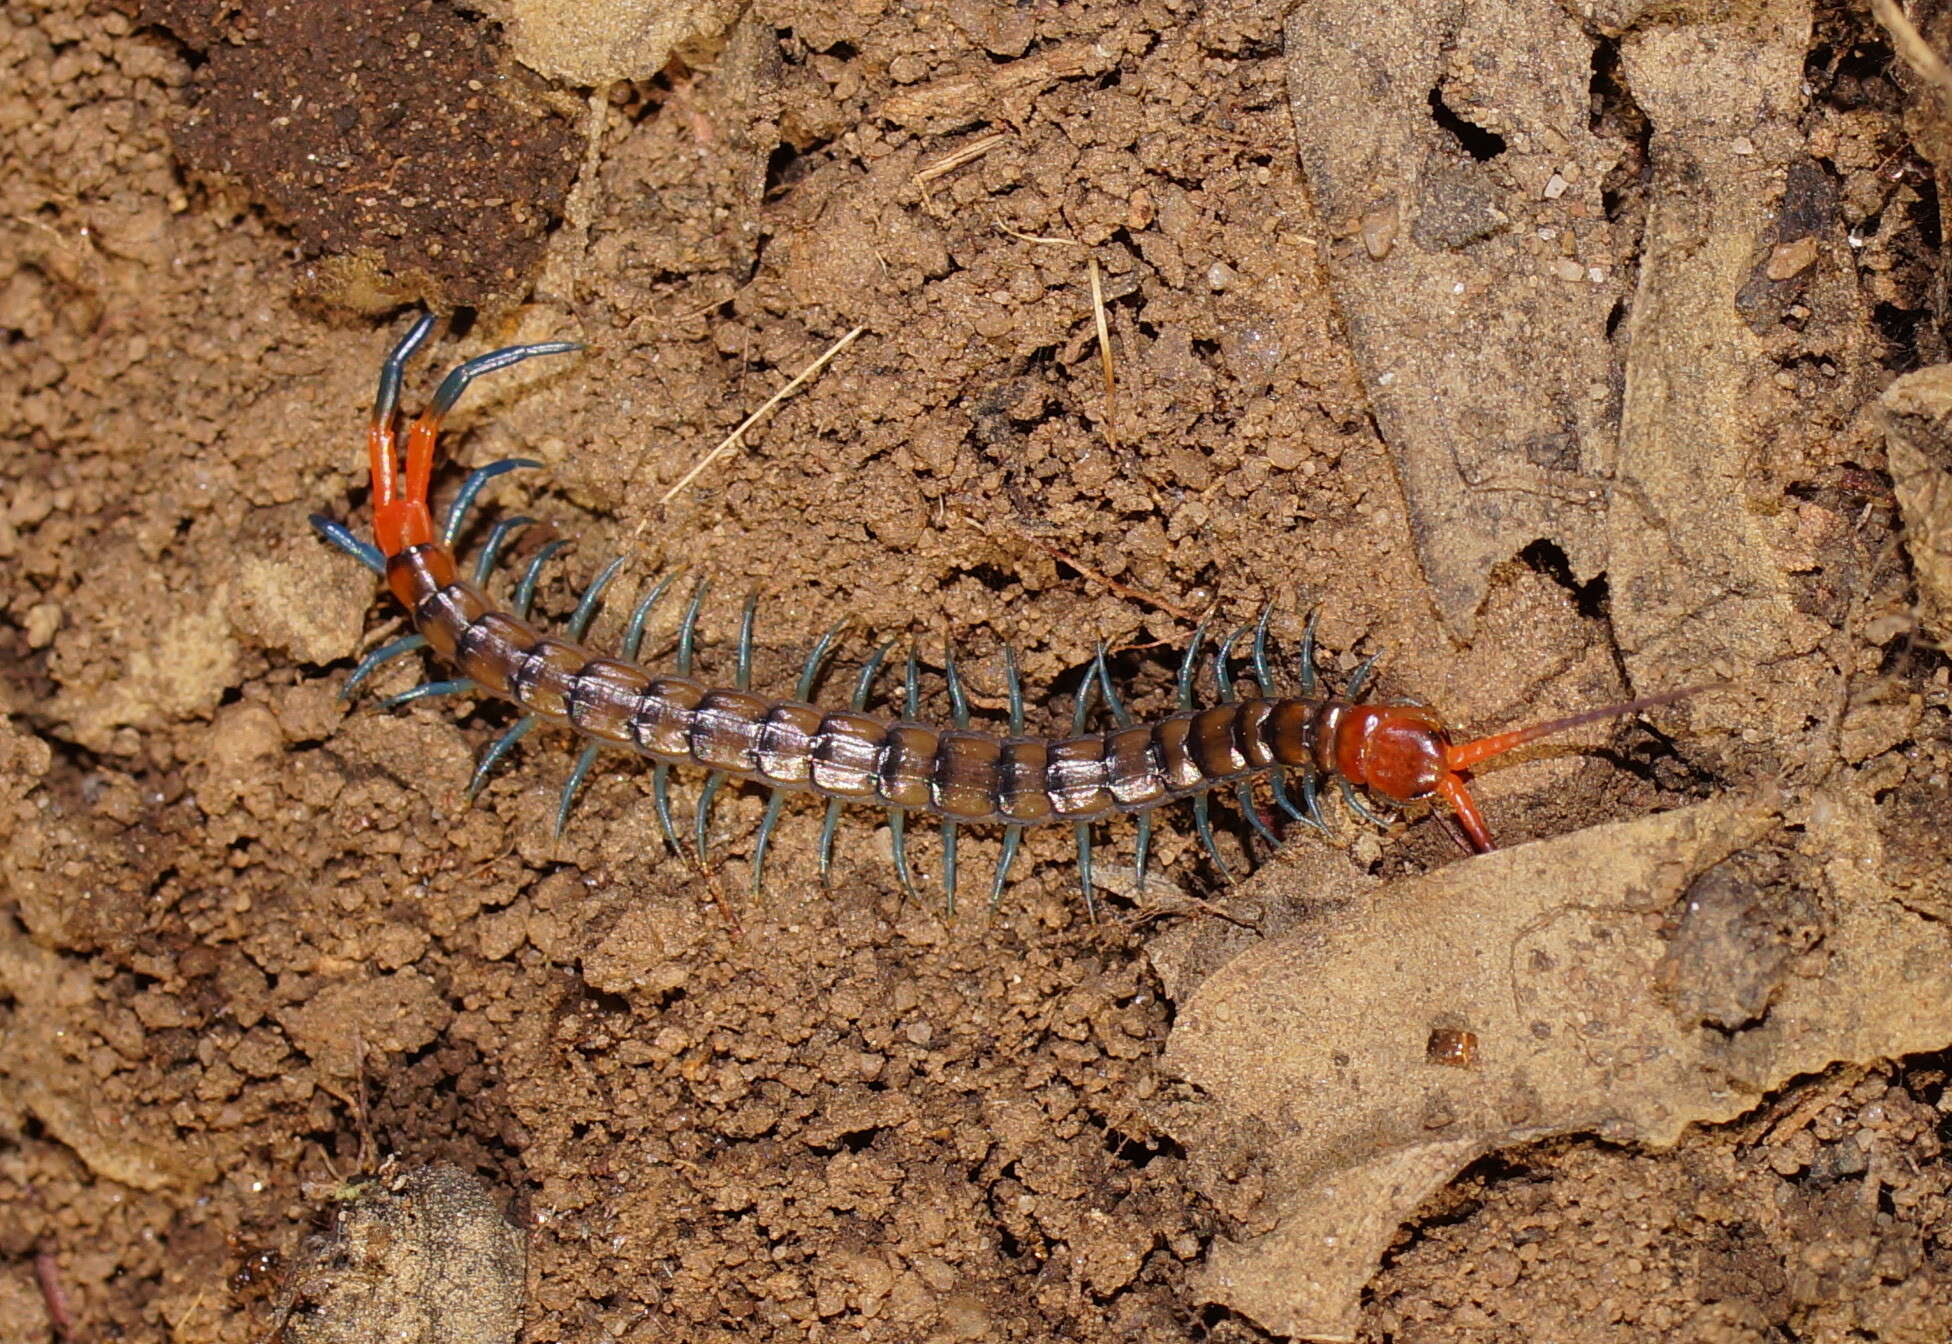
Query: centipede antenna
x=1263 y=674
x=385 y=653
x=525 y=590
x=462 y=374
x=661 y=796
x=1223 y=674
x=491 y=549
x=457 y=512
x=1244 y=792
x=898 y=832
x=1360 y=808
x=577 y=774
x=1308 y=654
x=1204 y=826
x=774 y=802
x=1120 y=715
x=497 y=749
x=579 y=620
x=1464 y=755
x=1142 y=847
x=702 y=818
x=1015 y=687
x=742 y=674
x=688 y=627
x=633 y=638
x=1361 y=678
x=1012 y=837
x=393 y=369
x=426 y=689
x=859 y=700
x=958 y=700
x=827 y=829
x=1188 y=666
x=912 y=687
x=810 y=669
x=949 y=864
x=365 y=552
x=1083 y=831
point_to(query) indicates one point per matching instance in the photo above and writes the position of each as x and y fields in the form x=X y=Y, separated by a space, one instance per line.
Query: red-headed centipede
x=1400 y=752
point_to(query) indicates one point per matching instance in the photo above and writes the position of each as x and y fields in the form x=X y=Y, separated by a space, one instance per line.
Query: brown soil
x=263 y=967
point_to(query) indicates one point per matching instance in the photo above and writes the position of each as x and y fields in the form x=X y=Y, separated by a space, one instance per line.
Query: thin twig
x=1124 y=589
x=975 y=149
x=1105 y=355
x=736 y=437
x=1918 y=53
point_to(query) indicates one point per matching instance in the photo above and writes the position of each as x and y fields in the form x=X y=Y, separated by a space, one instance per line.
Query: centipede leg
x=633 y=638
x=1244 y=792
x=426 y=689
x=898 y=832
x=1188 y=665
x=365 y=552
x=1361 y=678
x=1308 y=656
x=1263 y=674
x=371 y=663
x=525 y=590
x=1142 y=848
x=1083 y=832
x=1277 y=784
x=702 y=818
x=949 y=866
x=497 y=749
x=661 y=797
x=464 y=498
x=1223 y=658
x=579 y=620
x=827 y=831
x=491 y=549
x=742 y=669
x=1360 y=808
x=1012 y=837
x=766 y=823
x=1204 y=825
x=1311 y=802
x=688 y=627
x=577 y=774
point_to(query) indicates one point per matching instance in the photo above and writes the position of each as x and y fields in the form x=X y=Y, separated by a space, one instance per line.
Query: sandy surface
x=281 y=1009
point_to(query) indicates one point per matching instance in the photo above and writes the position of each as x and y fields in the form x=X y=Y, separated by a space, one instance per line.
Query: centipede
x=1296 y=744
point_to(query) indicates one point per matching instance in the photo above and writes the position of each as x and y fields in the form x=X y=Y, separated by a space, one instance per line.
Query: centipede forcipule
x=961 y=775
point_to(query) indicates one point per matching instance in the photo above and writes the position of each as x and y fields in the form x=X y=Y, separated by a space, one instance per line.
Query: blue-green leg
x=336 y=532
x=525 y=590
x=577 y=774
x=1308 y=680
x=1204 y=826
x=491 y=549
x=371 y=663
x=499 y=748
x=457 y=512
x=426 y=689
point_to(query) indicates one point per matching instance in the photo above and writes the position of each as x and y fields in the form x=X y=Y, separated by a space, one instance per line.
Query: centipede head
x=1408 y=755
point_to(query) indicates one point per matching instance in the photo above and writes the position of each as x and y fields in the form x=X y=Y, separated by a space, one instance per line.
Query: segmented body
x=1401 y=753
x=959 y=775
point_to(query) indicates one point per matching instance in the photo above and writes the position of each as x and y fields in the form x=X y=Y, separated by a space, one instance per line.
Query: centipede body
x=959 y=775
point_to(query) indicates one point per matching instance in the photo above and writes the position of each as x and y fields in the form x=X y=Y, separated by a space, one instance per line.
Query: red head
x=1404 y=753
